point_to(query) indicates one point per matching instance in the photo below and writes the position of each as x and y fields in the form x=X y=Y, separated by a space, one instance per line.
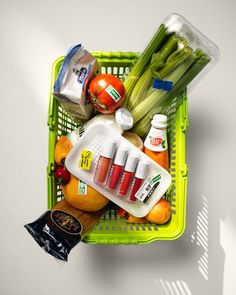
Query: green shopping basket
x=111 y=229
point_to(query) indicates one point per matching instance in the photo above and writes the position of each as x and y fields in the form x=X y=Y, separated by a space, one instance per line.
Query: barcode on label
x=147 y=188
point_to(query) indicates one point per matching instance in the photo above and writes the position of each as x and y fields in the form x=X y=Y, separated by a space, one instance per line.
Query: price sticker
x=82 y=187
x=85 y=160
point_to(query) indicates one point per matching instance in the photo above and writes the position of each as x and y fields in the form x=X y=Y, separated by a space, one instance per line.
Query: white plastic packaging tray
x=93 y=140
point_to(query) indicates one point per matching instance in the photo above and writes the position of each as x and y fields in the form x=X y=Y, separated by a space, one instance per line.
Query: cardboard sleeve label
x=147 y=188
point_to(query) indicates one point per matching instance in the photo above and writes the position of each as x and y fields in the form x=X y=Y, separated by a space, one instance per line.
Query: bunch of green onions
x=168 y=57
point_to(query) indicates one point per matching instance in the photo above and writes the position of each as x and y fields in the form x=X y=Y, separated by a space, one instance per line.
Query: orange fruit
x=129 y=217
x=62 y=149
x=160 y=213
x=90 y=200
x=132 y=219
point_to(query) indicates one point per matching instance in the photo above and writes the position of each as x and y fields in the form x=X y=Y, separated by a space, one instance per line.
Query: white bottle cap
x=159 y=121
x=141 y=170
x=124 y=119
x=109 y=149
x=131 y=163
x=120 y=157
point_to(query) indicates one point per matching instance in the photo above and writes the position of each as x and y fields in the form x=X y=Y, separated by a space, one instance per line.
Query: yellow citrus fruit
x=89 y=200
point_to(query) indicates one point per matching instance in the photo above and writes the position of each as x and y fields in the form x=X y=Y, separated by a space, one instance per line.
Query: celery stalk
x=143 y=126
x=145 y=81
x=201 y=61
x=149 y=103
x=144 y=59
x=139 y=90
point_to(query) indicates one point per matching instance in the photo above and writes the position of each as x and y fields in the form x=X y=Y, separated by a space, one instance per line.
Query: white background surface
x=203 y=260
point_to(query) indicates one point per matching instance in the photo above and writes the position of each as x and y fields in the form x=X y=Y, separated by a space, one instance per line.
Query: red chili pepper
x=61 y=174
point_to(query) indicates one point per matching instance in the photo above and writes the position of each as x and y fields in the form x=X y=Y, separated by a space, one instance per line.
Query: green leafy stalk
x=145 y=81
x=143 y=126
x=150 y=102
x=202 y=59
x=144 y=59
x=175 y=59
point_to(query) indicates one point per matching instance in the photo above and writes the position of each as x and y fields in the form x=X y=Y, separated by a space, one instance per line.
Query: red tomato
x=106 y=93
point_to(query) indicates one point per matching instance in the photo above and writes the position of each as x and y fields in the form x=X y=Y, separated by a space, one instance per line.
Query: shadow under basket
x=111 y=229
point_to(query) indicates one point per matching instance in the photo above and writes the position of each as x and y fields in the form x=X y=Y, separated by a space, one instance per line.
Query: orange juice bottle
x=155 y=144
